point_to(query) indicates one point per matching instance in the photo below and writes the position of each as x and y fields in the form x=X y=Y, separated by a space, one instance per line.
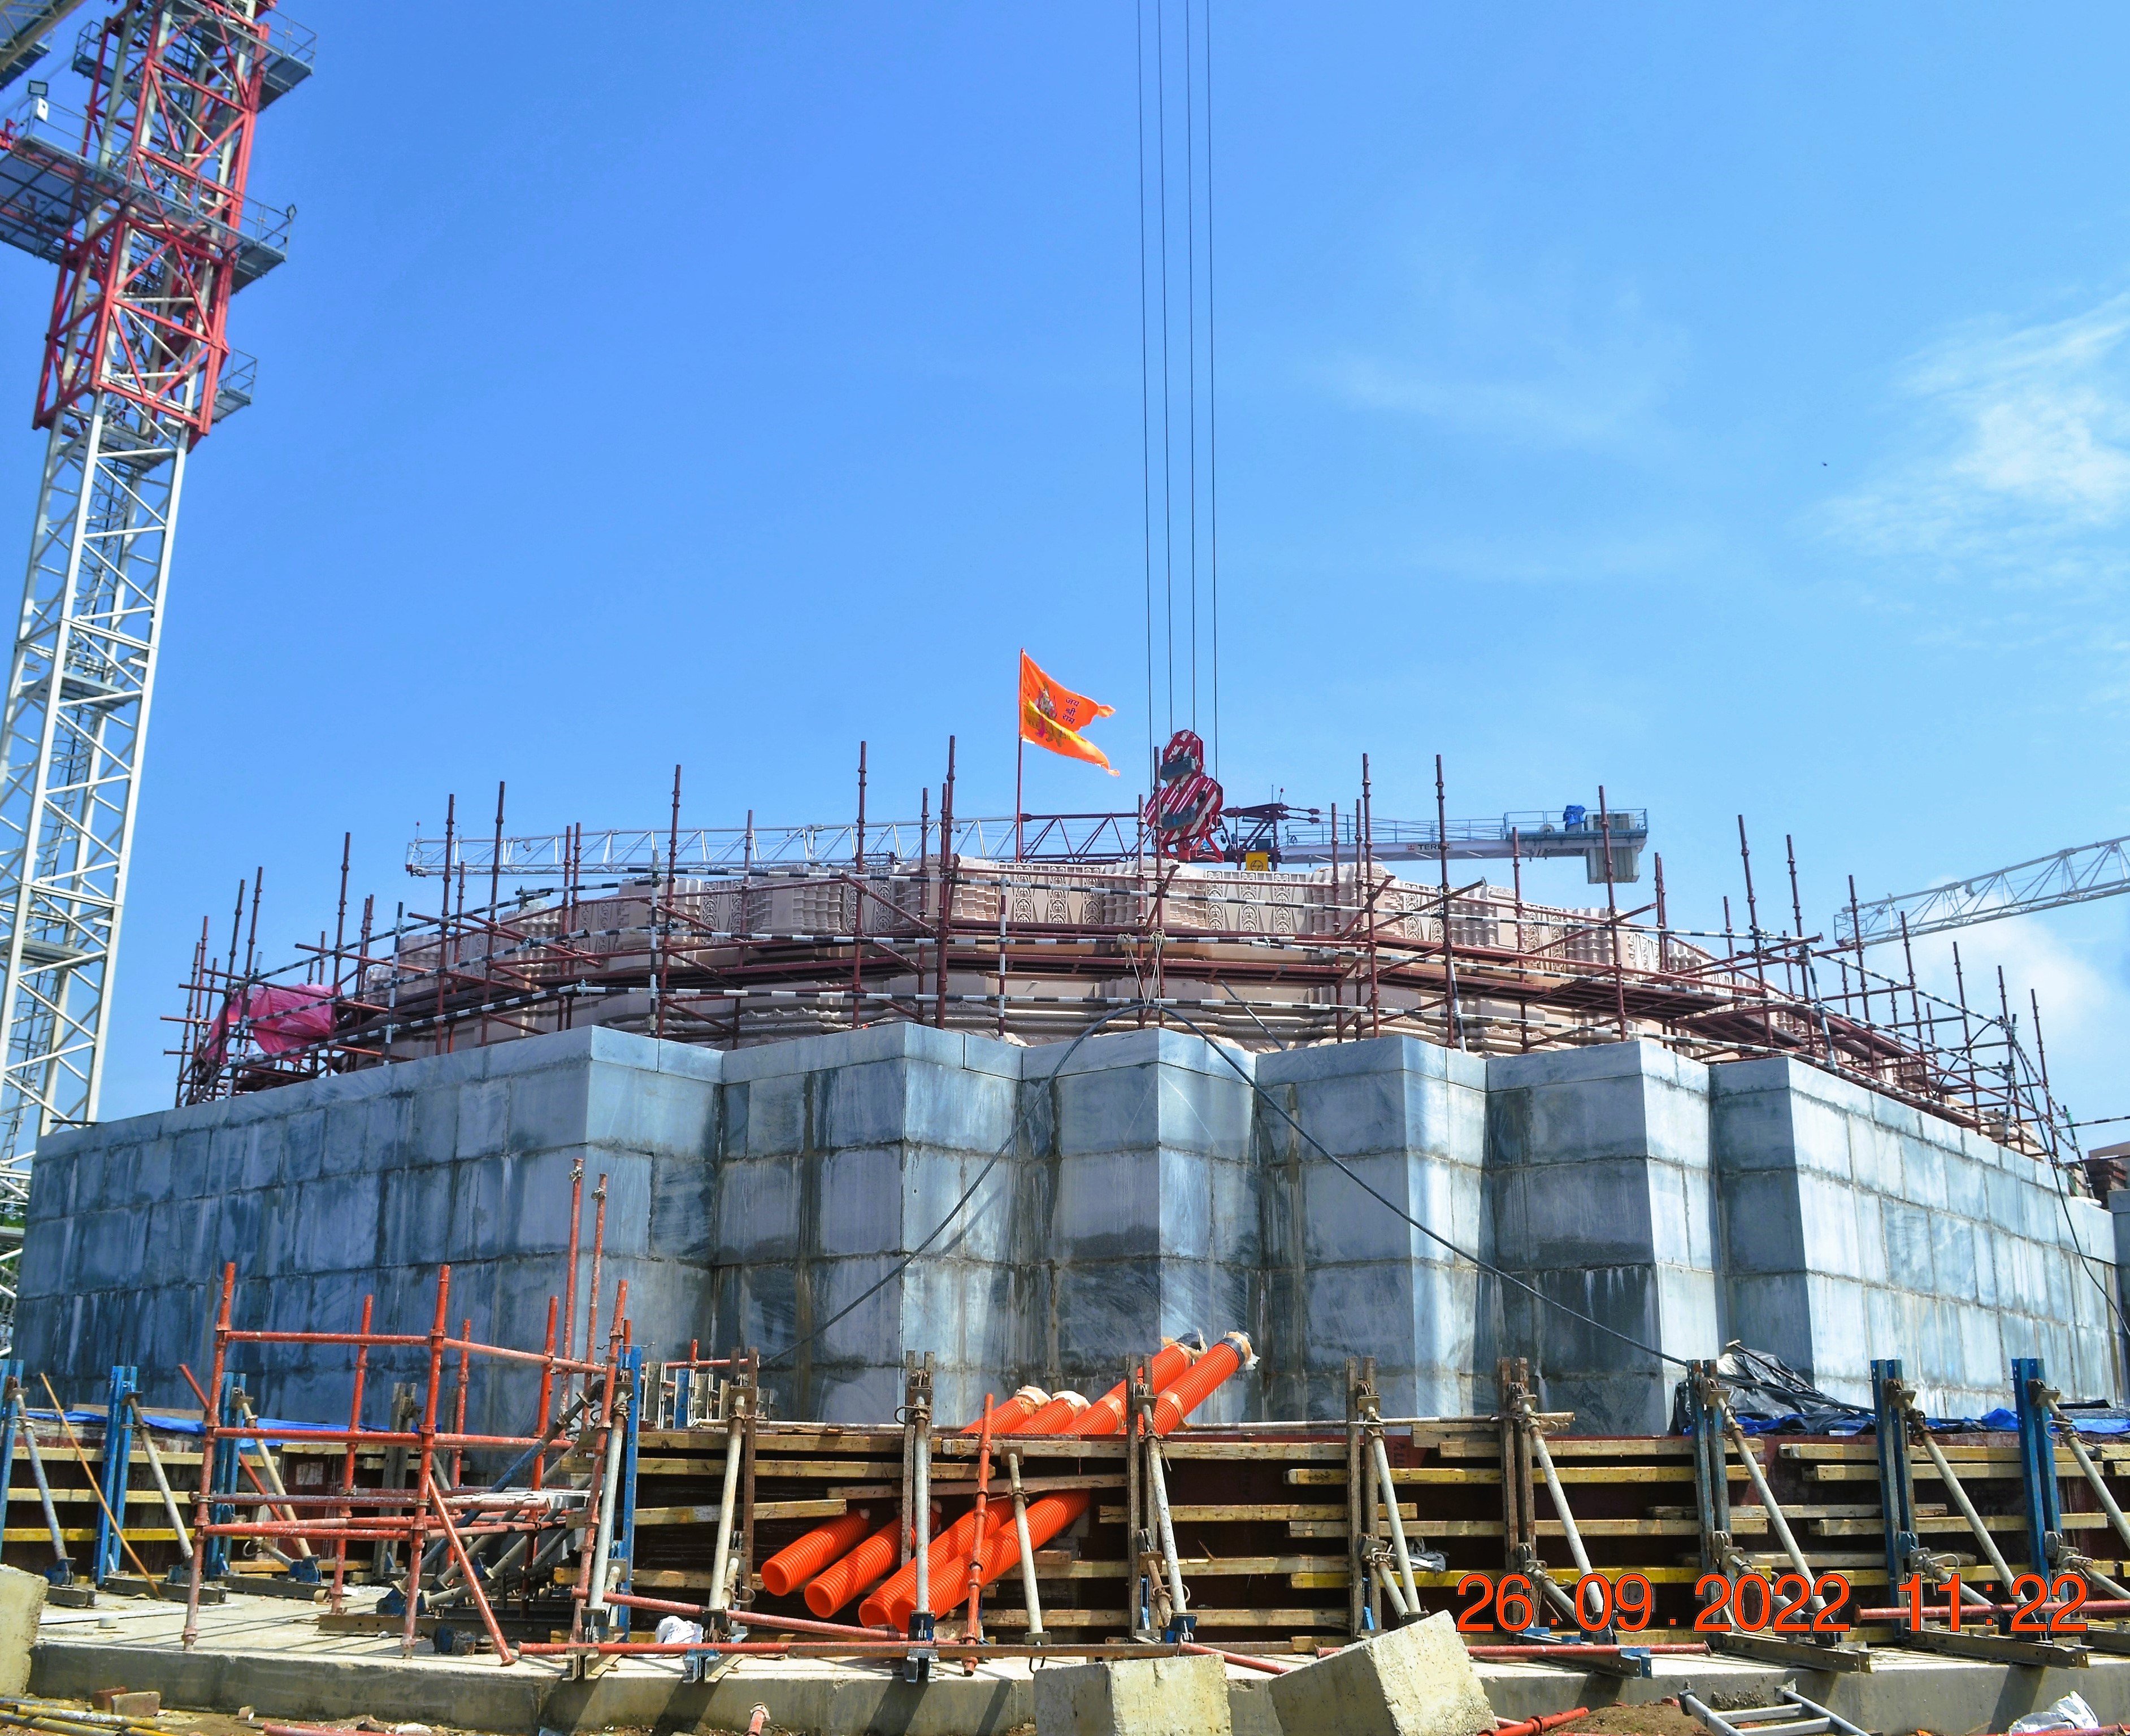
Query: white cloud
x=2016 y=453
x=1572 y=405
x=1552 y=360
x=2062 y=961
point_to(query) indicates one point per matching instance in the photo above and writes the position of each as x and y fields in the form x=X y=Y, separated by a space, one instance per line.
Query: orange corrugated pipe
x=866 y=1566
x=1013 y=1415
x=1191 y=1389
x=794 y=1564
x=1053 y=1513
x=951 y=1550
x=1054 y=1417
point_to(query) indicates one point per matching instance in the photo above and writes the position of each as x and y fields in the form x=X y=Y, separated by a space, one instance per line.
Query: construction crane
x=140 y=201
x=2068 y=877
x=1278 y=831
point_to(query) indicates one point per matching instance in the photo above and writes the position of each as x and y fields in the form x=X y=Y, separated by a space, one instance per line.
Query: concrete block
x=1966 y=1185
x=153 y=1181
x=1187 y=1227
x=934 y=1182
x=112 y=1247
x=1827 y=1212
x=1153 y=1696
x=1116 y=1109
x=414 y=1216
x=1909 y=1262
x=1750 y=1123
x=758 y=1211
x=1341 y=1221
x=683 y=1202
x=664 y=1114
x=1834 y=1142
x=776 y=1116
x=484 y=1118
x=547 y=1108
x=1358 y=1311
x=1104 y=1311
x=1679 y=1215
x=1923 y=1180
x=21 y=1607
x=688 y=1061
x=863 y=1104
x=960 y=1110
x=1412 y=1681
x=302 y=1150
x=1207 y=1112
x=1108 y=1205
x=1762 y=1228
x=1675 y=1116
x=556 y=1049
x=1595 y=1213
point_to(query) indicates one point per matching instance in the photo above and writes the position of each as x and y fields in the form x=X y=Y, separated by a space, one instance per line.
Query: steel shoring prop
x=1901 y=1427
x=1717 y=1435
x=1561 y=1510
x=1521 y=1425
x=2043 y=1423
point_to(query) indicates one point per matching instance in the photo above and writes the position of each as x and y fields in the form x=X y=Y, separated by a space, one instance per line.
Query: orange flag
x=1052 y=716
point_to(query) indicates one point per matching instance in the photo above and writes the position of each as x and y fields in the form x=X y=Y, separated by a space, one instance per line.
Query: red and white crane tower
x=140 y=201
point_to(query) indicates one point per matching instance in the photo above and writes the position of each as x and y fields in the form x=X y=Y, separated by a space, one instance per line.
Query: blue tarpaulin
x=279 y=1427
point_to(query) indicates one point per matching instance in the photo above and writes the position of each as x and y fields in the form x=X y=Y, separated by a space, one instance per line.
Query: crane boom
x=1290 y=834
x=2071 y=876
x=25 y=28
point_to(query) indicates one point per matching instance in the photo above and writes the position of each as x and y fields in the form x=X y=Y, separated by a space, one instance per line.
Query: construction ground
x=607 y=1305
x=1166 y=1273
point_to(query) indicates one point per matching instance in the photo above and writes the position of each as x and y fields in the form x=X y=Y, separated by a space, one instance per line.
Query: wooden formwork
x=305 y=1468
x=1268 y=1522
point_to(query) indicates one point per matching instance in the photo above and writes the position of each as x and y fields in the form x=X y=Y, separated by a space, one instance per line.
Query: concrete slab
x=1153 y=1696
x=261 y=1653
x=266 y=1652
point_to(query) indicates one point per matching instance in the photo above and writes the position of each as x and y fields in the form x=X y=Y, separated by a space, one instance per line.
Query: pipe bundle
x=840 y=1561
x=832 y=1556
x=1181 y=1385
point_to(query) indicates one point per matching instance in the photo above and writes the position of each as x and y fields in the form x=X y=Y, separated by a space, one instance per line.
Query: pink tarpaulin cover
x=281 y=1016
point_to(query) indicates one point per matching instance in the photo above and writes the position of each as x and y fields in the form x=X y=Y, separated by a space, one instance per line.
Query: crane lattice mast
x=141 y=202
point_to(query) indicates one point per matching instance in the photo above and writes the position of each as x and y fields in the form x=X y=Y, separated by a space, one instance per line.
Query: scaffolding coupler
x=1901 y=1426
x=1716 y=1431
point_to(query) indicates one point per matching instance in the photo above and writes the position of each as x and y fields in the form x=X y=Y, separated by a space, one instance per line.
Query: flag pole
x=1020 y=752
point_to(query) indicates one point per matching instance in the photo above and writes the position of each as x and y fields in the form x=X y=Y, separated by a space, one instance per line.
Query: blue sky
x=1731 y=409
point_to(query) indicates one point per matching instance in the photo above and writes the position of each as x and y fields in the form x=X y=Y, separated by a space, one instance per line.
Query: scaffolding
x=732 y=952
